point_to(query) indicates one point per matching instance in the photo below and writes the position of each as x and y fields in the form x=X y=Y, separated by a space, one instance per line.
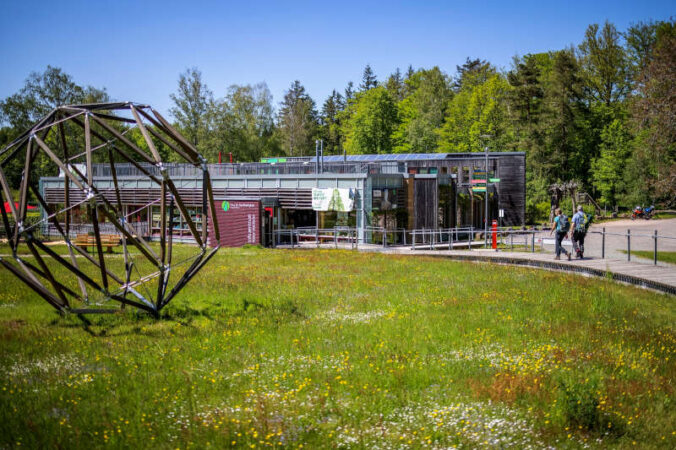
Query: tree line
x=600 y=113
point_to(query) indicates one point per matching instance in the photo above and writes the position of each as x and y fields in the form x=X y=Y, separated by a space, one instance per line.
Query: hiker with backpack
x=581 y=223
x=561 y=225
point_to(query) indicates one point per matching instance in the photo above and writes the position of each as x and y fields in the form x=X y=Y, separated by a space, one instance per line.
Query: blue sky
x=136 y=49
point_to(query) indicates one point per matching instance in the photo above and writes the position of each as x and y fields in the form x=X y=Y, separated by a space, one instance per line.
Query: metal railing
x=387 y=237
x=216 y=170
x=447 y=238
x=137 y=228
x=655 y=237
x=47 y=231
x=317 y=236
x=509 y=239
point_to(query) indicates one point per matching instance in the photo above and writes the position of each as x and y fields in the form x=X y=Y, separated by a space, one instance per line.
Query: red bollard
x=495 y=234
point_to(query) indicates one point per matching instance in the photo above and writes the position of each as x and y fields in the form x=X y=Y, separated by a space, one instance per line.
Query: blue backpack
x=564 y=223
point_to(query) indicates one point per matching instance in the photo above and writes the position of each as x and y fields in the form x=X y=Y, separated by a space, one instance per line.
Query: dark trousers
x=559 y=238
x=578 y=240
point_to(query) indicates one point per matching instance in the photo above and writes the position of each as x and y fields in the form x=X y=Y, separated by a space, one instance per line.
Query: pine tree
x=297 y=121
x=395 y=85
x=409 y=72
x=368 y=79
x=563 y=141
x=473 y=72
x=330 y=123
x=349 y=91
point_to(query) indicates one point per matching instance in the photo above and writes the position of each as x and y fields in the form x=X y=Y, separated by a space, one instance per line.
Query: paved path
x=661 y=278
x=640 y=229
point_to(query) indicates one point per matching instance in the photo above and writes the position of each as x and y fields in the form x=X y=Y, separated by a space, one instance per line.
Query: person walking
x=561 y=225
x=579 y=231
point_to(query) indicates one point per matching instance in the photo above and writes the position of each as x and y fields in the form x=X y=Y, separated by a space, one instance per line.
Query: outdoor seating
x=109 y=241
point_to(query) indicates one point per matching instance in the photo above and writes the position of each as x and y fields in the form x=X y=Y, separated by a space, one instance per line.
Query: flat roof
x=403 y=157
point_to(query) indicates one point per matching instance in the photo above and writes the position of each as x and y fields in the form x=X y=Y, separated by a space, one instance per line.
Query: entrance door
x=267 y=224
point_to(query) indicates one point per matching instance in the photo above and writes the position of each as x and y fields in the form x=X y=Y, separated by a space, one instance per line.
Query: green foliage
x=654 y=156
x=369 y=121
x=608 y=169
x=368 y=79
x=395 y=86
x=329 y=123
x=244 y=123
x=342 y=348
x=43 y=92
x=579 y=405
x=478 y=109
x=537 y=213
x=297 y=121
x=193 y=103
x=422 y=111
x=604 y=64
x=600 y=112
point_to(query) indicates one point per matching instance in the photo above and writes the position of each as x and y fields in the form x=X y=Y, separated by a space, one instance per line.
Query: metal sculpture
x=73 y=140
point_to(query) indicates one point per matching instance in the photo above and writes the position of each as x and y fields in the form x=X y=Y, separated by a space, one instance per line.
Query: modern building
x=391 y=191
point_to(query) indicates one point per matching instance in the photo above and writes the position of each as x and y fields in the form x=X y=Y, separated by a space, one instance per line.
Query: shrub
x=537 y=213
x=578 y=405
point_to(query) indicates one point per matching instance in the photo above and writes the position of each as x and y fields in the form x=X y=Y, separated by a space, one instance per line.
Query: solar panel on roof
x=384 y=157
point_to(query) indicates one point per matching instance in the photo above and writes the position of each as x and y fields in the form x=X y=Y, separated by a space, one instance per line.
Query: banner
x=321 y=199
x=332 y=199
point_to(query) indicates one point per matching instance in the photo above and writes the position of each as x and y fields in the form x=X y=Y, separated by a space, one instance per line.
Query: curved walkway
x=659 y=278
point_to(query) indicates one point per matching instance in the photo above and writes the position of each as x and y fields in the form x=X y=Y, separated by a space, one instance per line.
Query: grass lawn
x=668 y=257
x=330 y=348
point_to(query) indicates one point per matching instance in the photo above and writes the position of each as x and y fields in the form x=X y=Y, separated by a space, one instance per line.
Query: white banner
x=321 y=199
x=333 y=199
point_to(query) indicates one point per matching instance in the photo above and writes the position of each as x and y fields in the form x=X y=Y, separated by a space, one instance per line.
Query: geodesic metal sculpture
x=76 y=140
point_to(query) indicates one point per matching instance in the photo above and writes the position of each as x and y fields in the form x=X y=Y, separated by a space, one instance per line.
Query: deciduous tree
x=369 y=121
x=193 y=106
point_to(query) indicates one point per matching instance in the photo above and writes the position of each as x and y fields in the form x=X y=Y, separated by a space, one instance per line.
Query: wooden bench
x=107 y=240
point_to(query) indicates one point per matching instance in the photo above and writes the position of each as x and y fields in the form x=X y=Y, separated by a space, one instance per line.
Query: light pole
x=486 y=136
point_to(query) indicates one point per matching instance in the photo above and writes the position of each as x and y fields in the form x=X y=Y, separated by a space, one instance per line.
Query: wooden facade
x=425 y=191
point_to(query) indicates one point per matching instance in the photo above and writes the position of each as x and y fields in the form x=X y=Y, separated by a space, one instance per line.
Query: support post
x=628 y=245
x=603 y=243
x=655 y=251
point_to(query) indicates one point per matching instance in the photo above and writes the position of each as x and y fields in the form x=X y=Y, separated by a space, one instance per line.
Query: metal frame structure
x=71 y=139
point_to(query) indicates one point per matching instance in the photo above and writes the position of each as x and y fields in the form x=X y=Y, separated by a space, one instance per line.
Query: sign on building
x=333 y=199
x=238 y=221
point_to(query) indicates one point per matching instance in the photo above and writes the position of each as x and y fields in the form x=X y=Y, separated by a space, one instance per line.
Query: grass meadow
x=331 y=348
